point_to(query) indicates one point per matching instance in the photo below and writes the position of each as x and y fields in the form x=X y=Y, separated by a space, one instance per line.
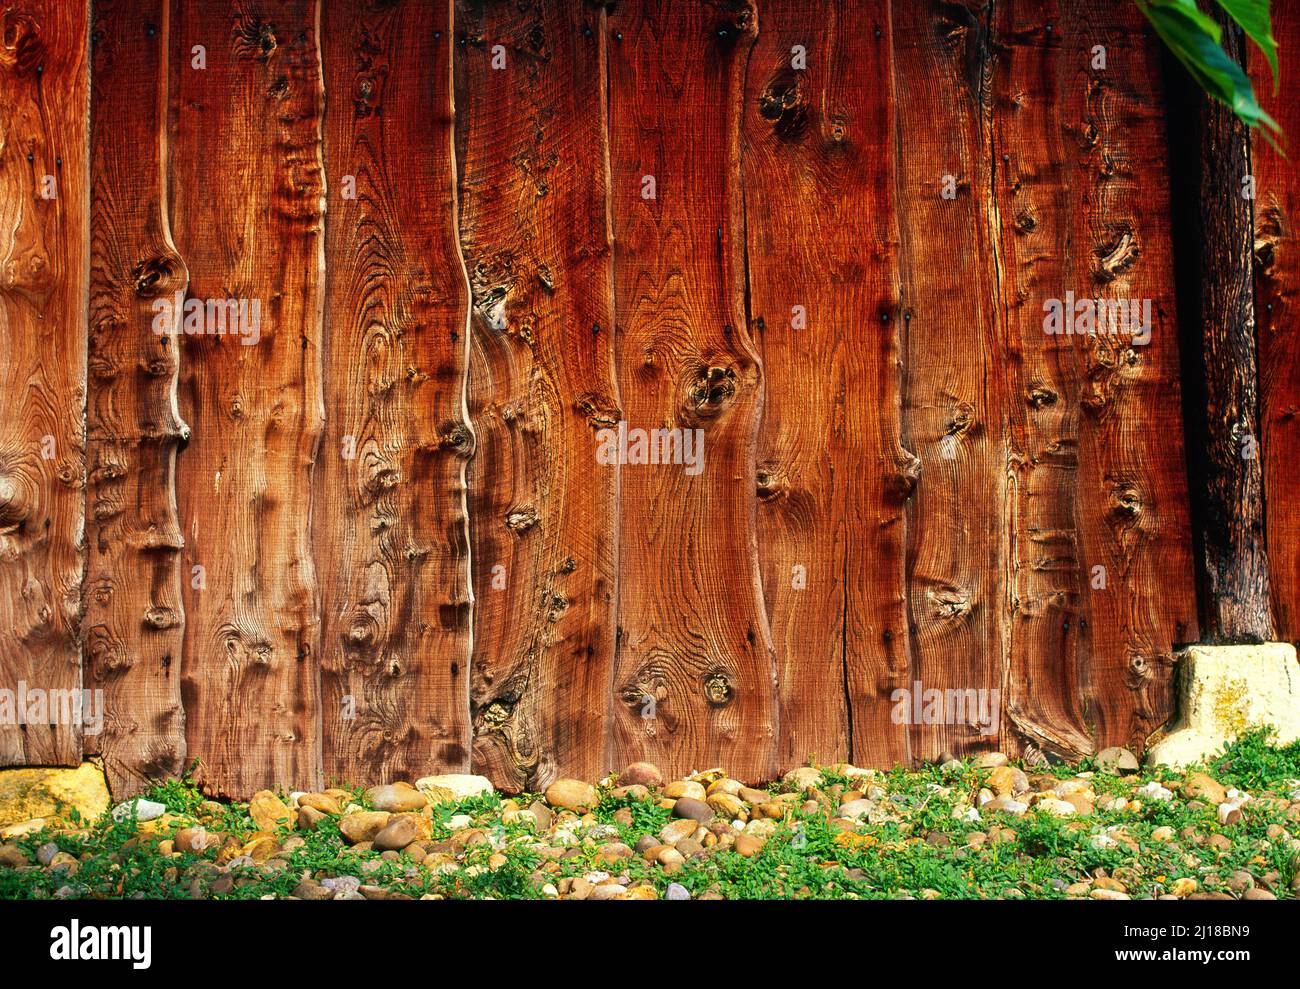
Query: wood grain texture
x=1096 y=432
x=1034 y=141
x=44 y=261
x=832 y=474
x=536 y=238
x=247 y=209
x=1132 y=472
x=391 y=541
x=695 y=666
x=388 y=545
x=954 y=397
x=133 y=624
x=1277 y=302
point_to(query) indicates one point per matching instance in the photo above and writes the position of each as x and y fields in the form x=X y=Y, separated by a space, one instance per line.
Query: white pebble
x=145 y=810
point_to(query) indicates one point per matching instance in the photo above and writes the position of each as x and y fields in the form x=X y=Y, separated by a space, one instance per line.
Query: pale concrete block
x=452 y=786
x=1224 y=691
x=27 y=793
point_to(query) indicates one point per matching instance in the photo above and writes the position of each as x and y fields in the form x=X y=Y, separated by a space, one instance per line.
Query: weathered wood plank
x=1102 y=582
x=248 y=203
x=134 y=626
x=954 y=389
x=44 y=262
x=823 y=280
x=535 y=230
x=1033 y=140
x=695 y=666
x=1277 y=303
x=1135 y=519
x=390 y=523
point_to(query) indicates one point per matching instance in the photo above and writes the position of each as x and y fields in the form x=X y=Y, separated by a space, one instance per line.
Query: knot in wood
x=1117 y=254
x=157 y=276
x=771 y=483
x=711 y=391
x=1040 y=396
x=22 y=51
x=948 y=603
x=1126 y=502
x=782 y=103
x=160 y=617
x=903 y=483
x=106 y=653
x=15 y=501
x=1140 y=672
x=522 y=519
x=254 y=39
x=496 y=714
x=458 y=439
x=600 y=411
x=717 y=689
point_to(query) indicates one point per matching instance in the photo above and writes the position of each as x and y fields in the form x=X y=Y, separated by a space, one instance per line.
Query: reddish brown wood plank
x=695 y=667
x=1133 y=473
x=534 y=223
x=389 y=523
x=823 y=281
x=954 y=391
x=133 y=625
x=1046 y=675
x=247 y=211
x=1098 y=473
x=1277 y=311
x=44 y=252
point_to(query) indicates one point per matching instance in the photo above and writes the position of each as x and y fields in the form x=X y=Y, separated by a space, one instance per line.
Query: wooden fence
x=373 y=538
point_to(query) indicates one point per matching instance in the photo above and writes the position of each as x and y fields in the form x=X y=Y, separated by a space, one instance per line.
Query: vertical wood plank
x=1132 y=469
x=1277 y=311
x=1097 y=465
x=1046 y=674
x=247 y=212
x=877 y=636
x=44 y=261
x=823 y=281
x=133 y=627
x=954 y=388
x=390 y=523
x=532 y=146
x=695 y=666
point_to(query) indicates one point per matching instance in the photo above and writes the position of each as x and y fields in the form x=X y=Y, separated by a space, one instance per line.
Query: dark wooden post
x=1232 y=560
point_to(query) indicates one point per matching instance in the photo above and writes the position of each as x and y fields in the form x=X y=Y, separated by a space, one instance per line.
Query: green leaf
x=1189 y=10
x=1253 y=18
x=1194 y=39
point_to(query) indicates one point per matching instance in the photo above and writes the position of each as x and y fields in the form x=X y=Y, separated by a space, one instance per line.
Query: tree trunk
x=1233 y=563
